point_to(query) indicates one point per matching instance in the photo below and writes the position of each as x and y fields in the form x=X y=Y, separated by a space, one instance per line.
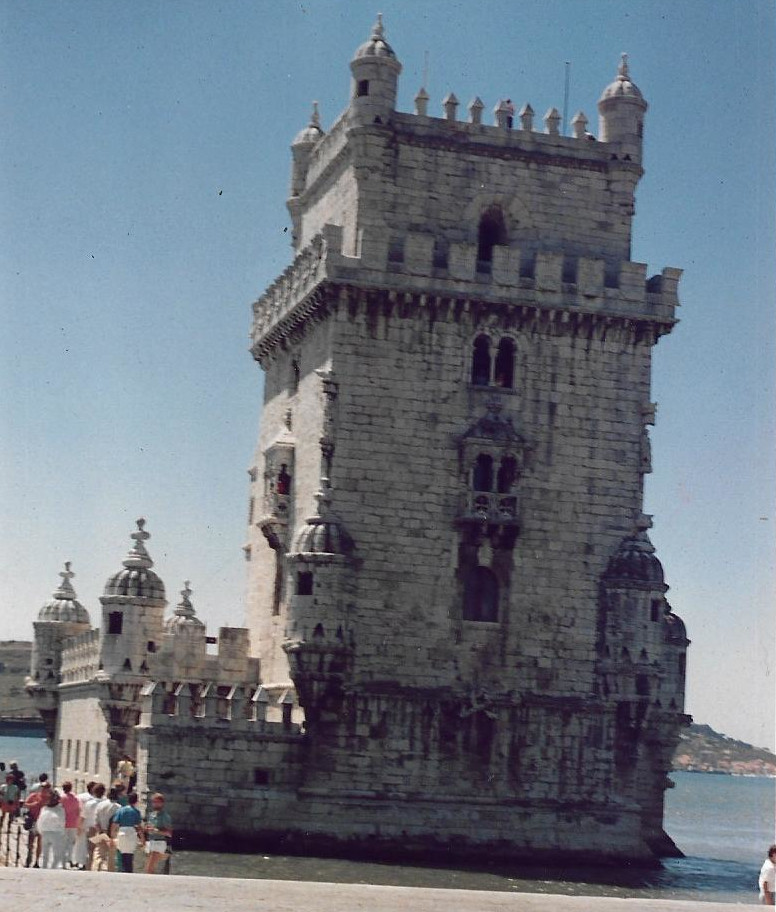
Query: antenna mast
x=566 y=98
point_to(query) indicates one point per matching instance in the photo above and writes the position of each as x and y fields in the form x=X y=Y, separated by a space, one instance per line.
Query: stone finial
x=552 y=122
x=138 y=557
x=450 y=104
x=526 y=118
x=184 y=608
x=378 y=31
x=65 y=589
x=323 y=498
x=622 y=70
x=579 y=125
x=315 y=117
x=476 y=108
x=502 y=112
x=421 y=102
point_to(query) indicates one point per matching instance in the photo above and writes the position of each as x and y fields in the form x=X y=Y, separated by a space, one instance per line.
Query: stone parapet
x=81 y=657
x=518 y=278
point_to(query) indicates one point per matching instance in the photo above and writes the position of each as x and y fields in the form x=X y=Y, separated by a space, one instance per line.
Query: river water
x=723 y=824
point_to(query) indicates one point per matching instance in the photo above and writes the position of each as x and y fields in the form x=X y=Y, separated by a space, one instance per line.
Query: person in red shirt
x=72 y=807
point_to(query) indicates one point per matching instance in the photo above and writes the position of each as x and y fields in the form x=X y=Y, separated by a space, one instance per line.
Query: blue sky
x=144 y=166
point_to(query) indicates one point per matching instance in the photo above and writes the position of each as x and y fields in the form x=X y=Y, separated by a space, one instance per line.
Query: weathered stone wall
x=81 y=741
x=404 y=403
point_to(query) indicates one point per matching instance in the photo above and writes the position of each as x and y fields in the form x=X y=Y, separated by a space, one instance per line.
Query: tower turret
x=621 y=110
x=375 y=72
x=301 y=149
x=61 y=617
x=186 y=636
x=133 y=604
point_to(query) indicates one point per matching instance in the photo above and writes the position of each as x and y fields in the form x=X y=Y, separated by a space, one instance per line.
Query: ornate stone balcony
x=486 y=507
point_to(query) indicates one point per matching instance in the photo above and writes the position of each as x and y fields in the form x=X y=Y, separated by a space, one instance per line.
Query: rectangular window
x=115 y=622
x=304 y=583
x=260 y=776
x=77 y=761
x=61 y=752
x=67 y=760
x=362 y=88
x=86 y=756
x=97 y=757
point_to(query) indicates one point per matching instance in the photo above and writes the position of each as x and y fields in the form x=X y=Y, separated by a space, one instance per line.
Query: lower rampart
x=251 y=784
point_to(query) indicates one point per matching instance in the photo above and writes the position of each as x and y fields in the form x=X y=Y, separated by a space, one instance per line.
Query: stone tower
x=449 y=563
x=61 y=617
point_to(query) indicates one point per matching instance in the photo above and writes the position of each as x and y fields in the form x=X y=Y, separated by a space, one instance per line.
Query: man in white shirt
x=90 y=799
x=106 y=808
x=768 y=878
x=82 y=849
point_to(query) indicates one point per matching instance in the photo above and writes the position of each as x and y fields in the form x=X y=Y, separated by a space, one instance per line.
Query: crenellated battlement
x=248 y=708
x=545 y=279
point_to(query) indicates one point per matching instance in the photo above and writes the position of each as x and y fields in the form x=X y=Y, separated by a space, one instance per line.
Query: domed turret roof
x=136 y=579
x=63 y=605
x=324 y=533
x=184 y=621
x=622 y=87
x=675 y=631
x=376 y=46
x=312 y=132
x=635 y=562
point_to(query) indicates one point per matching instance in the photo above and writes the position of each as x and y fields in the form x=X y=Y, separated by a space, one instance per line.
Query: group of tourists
x=98 y=830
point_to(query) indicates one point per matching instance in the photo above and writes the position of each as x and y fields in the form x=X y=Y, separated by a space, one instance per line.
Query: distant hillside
x=14 y=666
x=701 y=749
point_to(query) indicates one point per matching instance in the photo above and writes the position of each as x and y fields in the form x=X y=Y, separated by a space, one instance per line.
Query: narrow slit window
x=505 y=364
x=481 y=361
x=482 y=477
x=507 y=475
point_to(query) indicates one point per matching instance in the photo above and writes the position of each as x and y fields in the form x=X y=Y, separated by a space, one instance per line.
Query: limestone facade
x=461 y=637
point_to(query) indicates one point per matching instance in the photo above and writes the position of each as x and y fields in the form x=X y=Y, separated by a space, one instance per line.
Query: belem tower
x=458 y=642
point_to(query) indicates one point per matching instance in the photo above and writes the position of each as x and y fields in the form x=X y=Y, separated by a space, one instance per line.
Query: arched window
x=482 y=477
x=505 y=364
x=283 y=483
x=507 y=475
x=481 y=361
x=492 y=231
x=480 y=601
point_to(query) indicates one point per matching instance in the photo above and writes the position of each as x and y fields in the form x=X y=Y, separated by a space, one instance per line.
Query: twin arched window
x=480 y=600
x=483 y=474
x=490 y=371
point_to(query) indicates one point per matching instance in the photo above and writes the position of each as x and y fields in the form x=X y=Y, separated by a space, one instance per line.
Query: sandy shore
x=65 y=891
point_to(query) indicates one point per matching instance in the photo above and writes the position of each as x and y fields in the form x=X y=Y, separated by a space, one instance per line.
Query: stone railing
x=81 y=657
x=486 y=506
x=301 y=277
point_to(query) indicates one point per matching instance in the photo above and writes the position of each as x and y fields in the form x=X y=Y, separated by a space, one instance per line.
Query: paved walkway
x=65 y=891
